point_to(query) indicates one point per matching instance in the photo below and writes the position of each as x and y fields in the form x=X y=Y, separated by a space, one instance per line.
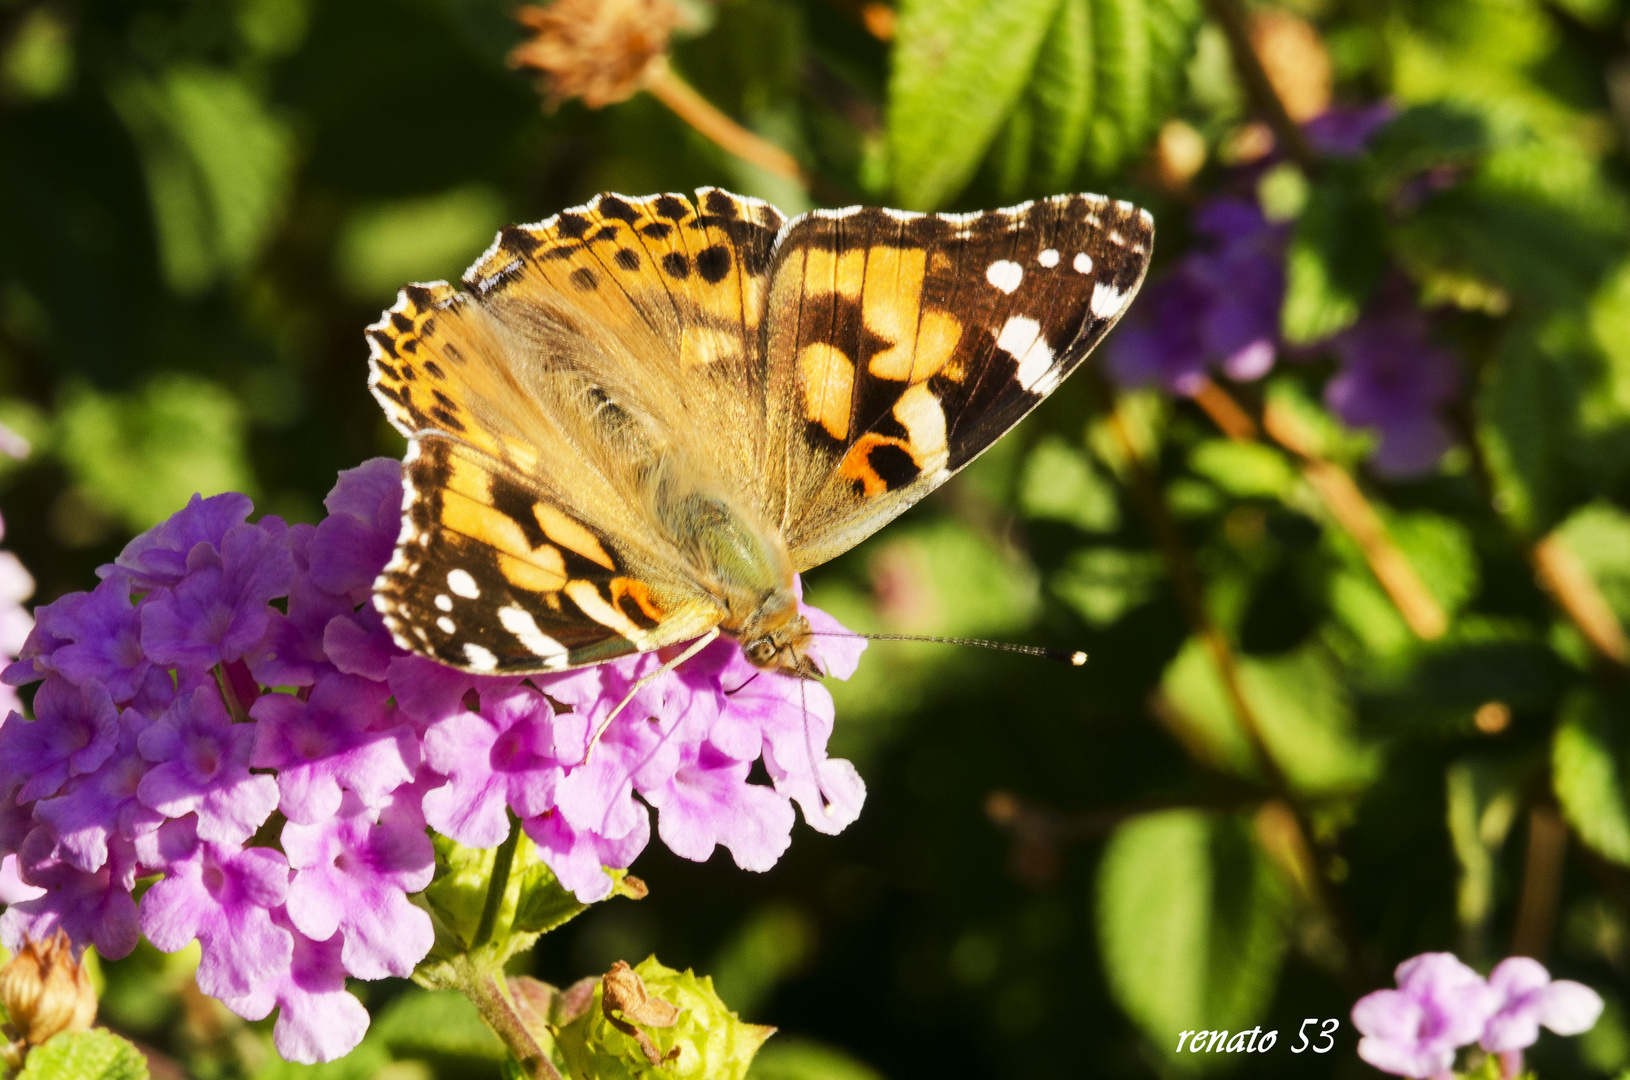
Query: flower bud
x=46 y=990
x=653 y=1017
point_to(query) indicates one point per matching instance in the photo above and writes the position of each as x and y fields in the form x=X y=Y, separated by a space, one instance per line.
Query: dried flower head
x=602 y=51
x=46 y=990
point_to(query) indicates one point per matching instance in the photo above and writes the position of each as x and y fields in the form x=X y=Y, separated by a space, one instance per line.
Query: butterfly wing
x=585 y=351
x=902 y=345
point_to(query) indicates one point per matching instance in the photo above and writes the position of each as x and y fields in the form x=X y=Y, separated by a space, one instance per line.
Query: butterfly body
x=639 y=419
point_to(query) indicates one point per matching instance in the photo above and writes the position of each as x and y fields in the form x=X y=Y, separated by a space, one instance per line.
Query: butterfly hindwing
x=902 y=345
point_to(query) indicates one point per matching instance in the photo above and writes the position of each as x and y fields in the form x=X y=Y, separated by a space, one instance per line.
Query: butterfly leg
x=695 y=647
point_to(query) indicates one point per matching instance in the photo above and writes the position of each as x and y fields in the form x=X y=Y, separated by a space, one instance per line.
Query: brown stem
x=1359 y=520
x=1225 y=412
x=1236 y=26
x=705 y=117
x=1186 y=584
x=491 y=997
x=1576 y=593
x=1541 y=883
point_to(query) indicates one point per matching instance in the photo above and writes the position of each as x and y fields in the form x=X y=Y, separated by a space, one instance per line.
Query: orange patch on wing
x=636 y=590
x=569 y=534
x=542 y=571
x=856 y=464
x=842 y=273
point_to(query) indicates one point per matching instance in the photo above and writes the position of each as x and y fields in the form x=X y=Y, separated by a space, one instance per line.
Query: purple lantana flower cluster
x=1218 y=309
x=225 y=716
x=1442 y=1005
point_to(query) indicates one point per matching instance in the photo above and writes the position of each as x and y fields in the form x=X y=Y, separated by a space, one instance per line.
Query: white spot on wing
x=464 y=585
x=1107 y=300
x=444 y=603
x=1021 y=339
x=1082 y=263
x=445 y=624
x=1116 y=238
x=480 y=659
x=1048 y=258
x=520 y=623
x=1005 y=275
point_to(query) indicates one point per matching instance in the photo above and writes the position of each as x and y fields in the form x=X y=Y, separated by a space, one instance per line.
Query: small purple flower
x=102 y=805
x=707 y=801
x=578 y=857
x=1529 y=997
x=291 y=653
x=359 y=644
x=16 y=624
x=159 y=556
x=1344 y=131
x=34 y=659
x=101 y=637
x=74 y=731
x=13 y=889
x=318 y=1019
x=352 y=876
x=355 y=541
x=1394 y=380
x=1440 y=1005
x=201 y=765
x=346 y=736
x=93 y=908
x=222 y=896
x=507 y=756
x=218 y=611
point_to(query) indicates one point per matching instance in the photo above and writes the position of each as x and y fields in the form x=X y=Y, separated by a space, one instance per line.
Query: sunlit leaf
x=1190 y=917
x=1588 y=771
x=1334 y=262
x=426 y=1023
x=85 y=1055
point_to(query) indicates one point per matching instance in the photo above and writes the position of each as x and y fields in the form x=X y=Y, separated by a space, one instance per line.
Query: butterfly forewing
x=905 y=344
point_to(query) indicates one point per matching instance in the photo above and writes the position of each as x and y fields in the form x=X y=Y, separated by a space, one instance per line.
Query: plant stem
x=1235 y=24
x=1571 y=586
x=503 y=862
x=488 y=991
x=1541 y=882
x=701 y=114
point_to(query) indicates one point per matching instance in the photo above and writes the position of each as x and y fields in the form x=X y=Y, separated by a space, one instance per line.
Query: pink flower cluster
x=180 y=708
x=1441 y=1005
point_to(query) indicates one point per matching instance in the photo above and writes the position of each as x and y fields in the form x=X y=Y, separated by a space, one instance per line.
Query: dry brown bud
x=624 y=991
x=1295 y=61
x=602 y=51
x=45 y=990
x=1180 y=152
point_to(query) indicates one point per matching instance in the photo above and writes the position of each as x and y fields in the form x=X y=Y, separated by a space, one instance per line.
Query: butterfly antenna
x=695 y=647
x=1062 y=656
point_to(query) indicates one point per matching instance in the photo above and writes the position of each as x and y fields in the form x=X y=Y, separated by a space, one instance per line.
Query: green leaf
x=1245 y=470
x=367 y=1062
x=1334 y=262
x=1060 y=482
x=1191 y=925
x=1102 y=583
x=1424 y=137
x=1587 y=770
x=1061 y=93
x=436 y=1023
x=218 y=166
x=772 y=944
x=706 y=1042
x=1142 y=49
x=1599 y=534
x=382 y=247
x=958 y=68
x=140 y=456
x=97 y=1054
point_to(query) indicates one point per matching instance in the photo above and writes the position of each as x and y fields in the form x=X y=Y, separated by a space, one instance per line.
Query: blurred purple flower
x=1440 y=1005
x=1344 y=130
x=345 y=737
x=353 y=875
x=1394 y=380
x=222 y=896
x=578 y=857
x=74 y=731
x=318 y=1020
x=1218 y=307
x=201 y=765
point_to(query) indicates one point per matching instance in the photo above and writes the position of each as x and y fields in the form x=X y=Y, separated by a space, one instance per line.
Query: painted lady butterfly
x=641 y=417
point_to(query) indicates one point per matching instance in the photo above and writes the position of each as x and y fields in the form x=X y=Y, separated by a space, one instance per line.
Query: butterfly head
x=776 y=637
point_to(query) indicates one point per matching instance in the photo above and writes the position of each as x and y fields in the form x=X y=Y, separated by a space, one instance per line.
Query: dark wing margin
x=906 y=344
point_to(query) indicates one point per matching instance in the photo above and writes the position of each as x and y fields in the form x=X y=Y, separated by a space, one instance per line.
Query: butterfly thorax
x=745 y=568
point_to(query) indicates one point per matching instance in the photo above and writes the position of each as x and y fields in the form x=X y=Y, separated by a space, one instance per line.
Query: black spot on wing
x=584 y=278
x=713 y=263
x=672 y=207
x=612 y=207
x=627 y=258
x=893 y=465
x=574 y=226
x=675 y=265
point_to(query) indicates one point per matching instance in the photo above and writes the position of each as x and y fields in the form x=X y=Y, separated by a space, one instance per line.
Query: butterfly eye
x=761 y=652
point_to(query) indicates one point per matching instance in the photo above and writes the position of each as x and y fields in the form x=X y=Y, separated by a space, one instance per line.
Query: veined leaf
x=959 y=67
x=1334 y=262
x=97 y=1054
x=1587 y=768
x=1062 y=92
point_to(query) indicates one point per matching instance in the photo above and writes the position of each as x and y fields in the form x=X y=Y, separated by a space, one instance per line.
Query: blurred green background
x=203 y=202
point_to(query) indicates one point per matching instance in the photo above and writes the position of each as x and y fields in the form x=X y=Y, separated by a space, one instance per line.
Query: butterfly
x=639 y=419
